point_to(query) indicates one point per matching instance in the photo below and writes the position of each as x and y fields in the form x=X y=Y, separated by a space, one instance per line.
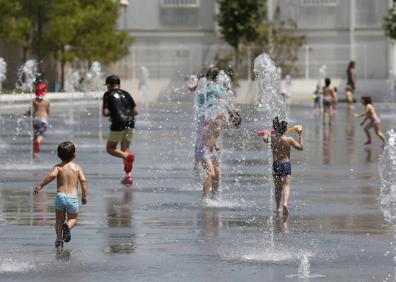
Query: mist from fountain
x=93 y=82
x=387 y=171
x=3 y=71
x=271 y=104
x=26 y=77
x=144 y=88
x=322 y=74
x=72 y=86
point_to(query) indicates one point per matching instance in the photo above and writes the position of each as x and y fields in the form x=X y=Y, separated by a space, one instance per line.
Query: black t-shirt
x=120 y=103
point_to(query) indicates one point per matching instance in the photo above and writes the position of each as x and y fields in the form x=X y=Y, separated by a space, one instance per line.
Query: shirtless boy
x=67 y=174
x=370 y=114
x=329 y=95
x=281 y=167
x=41 y=109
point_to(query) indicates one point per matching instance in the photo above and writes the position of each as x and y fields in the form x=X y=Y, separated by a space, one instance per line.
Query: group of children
x=328 y=95
x=69 y=174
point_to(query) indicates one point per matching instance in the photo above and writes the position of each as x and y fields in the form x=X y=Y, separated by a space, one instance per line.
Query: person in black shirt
x=119 y=105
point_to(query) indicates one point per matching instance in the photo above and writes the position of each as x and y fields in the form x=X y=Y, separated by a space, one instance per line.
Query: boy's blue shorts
x=66 y=202
x=281 y=169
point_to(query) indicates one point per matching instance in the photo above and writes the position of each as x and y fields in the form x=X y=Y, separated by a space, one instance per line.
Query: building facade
x=337 y=31
x=181 y=36
x=171 y=36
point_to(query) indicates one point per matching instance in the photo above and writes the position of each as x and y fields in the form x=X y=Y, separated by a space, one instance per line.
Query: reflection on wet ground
x=158 y=229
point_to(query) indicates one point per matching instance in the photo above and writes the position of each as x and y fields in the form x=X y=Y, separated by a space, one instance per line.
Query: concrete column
x=352 y=29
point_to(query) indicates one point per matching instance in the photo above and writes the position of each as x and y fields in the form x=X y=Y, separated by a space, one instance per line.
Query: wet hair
x=234 y=117
x=212 y=73
x=351 y=65
x=279 y=126
x=66 y=151
x=366 y=100
x=327 y=81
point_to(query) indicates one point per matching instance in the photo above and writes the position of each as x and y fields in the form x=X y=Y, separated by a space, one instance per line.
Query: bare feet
x=285 y=210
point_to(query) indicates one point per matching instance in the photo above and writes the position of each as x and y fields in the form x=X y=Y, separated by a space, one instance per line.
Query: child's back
x=40 y=108
x=68 y=176
x=280 y=146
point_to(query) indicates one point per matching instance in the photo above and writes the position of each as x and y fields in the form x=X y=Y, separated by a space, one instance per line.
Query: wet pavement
x=158 y=230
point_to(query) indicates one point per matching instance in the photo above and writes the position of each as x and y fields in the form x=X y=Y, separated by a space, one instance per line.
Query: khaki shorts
x=118 y=136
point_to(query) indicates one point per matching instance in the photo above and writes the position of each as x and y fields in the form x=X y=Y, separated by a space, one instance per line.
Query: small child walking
x=370 y=114
x=281 y=167
x=67 y=174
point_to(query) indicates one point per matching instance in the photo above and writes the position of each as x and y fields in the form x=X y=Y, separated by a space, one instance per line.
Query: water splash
x=304 y=270
x=144 y=87
x=73 y=83
x=26 y=76
x=93 y=79
x=3 y=71
x=322 y=74
x=270 y=101
x=387 y=170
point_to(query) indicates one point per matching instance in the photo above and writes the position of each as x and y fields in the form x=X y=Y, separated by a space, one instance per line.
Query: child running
x=41 y=109
x=281 y=167
x=67 y=174
x=370 y=114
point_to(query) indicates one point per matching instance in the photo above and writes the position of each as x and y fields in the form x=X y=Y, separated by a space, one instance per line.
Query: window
x=319 y=2
x=179 y=3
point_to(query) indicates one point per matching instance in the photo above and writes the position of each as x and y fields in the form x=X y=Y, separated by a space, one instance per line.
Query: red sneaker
x=128 y=180
x=128 y=163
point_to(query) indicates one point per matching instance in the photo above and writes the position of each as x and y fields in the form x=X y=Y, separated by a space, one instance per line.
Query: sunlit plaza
x=224 y=93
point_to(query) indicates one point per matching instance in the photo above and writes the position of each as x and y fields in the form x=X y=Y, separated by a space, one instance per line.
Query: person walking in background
x=351 y=76
x=119 y=105
x=68 y=174
x=370 y=114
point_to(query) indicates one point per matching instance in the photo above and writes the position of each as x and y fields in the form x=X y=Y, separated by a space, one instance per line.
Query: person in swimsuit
x=68 y=174
x=329 y=95
x=351 y=76
x=370 y=114
x=119 y=105
x=316 y=98
x=208 y=153
x=349 y=96
x=281 y=167
x=40 y=108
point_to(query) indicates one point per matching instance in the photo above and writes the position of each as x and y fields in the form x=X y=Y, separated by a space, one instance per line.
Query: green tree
x=278 y=39
x=14 y=25
x=72 y=29
x=238 y=21
x=390 y=22
x=96 y=37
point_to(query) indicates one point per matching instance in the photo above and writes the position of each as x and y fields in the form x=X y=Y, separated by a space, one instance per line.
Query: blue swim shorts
x=66 y=202
x=203 y=153
x=39 y=126
x=281 y=169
